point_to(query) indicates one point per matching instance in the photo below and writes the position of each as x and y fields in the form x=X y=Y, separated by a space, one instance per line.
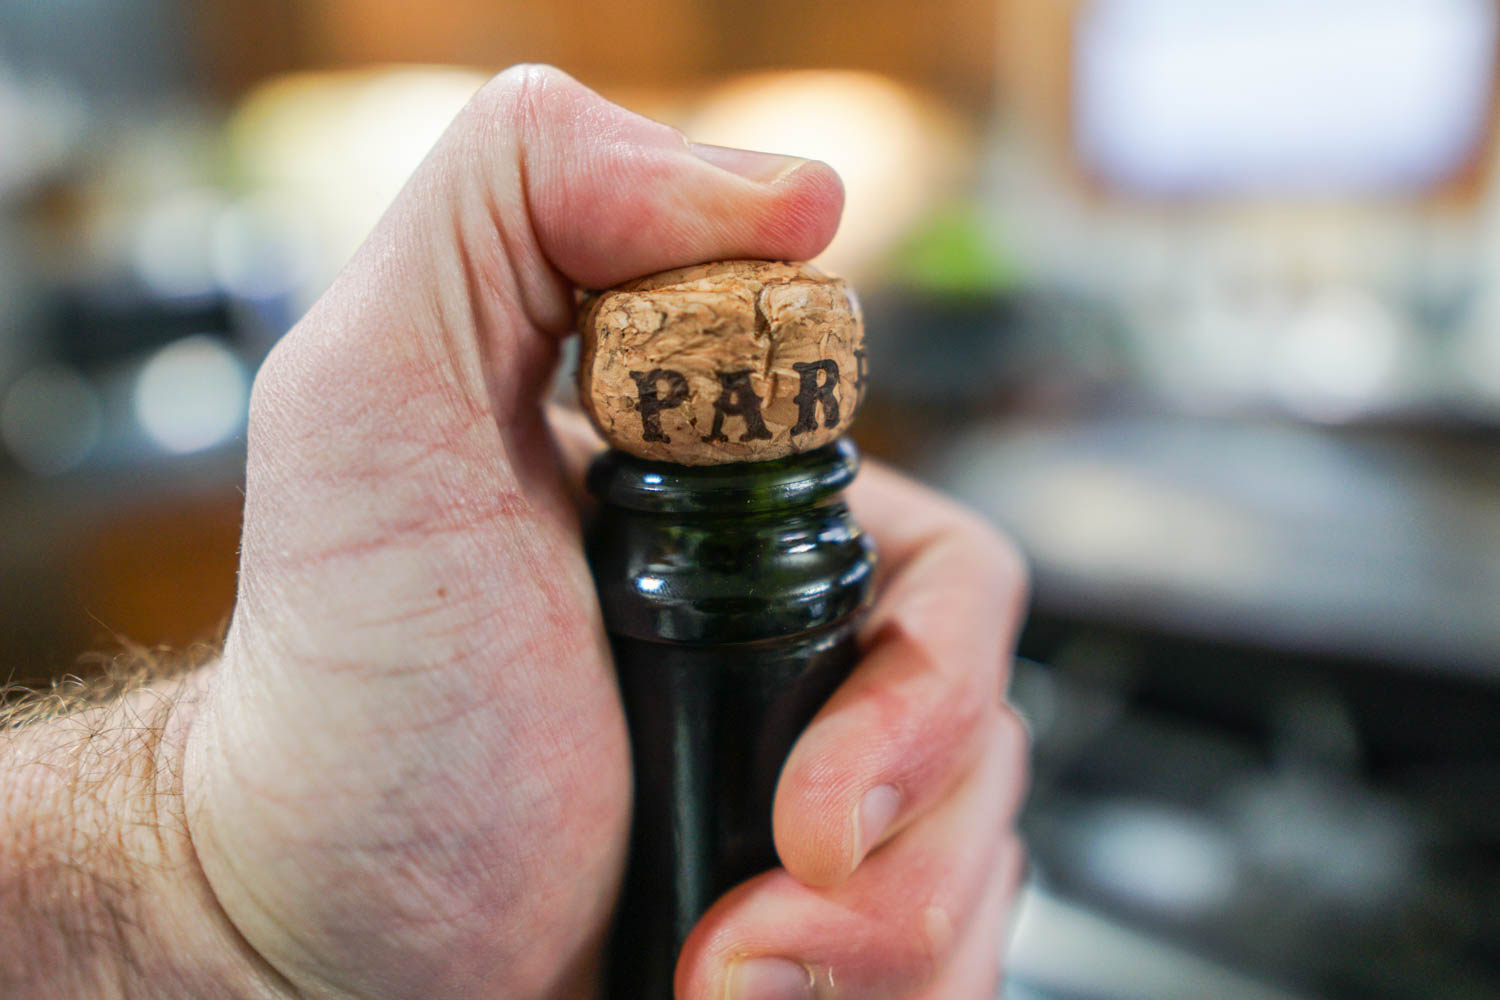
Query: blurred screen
x=1281 y=97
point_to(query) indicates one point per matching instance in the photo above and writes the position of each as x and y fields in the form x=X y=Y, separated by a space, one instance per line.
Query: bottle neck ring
x=622 y=480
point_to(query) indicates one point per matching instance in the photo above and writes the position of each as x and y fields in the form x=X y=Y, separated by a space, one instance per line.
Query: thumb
x=405 y=403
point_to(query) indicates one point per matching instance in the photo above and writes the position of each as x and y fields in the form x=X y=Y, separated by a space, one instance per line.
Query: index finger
x=905 y=727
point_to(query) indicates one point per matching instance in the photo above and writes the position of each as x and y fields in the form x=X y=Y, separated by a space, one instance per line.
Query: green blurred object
x=951 y=253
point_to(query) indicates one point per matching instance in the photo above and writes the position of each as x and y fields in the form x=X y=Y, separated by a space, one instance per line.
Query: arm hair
x=101 y=894
x=133 y=669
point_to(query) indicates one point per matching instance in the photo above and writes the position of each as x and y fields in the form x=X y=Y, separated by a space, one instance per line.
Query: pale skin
x=406 y=775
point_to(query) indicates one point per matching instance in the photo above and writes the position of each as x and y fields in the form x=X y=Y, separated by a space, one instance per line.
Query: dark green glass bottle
x=732 y=595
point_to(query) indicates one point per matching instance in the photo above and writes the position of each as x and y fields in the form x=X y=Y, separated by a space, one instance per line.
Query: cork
x=734 y=361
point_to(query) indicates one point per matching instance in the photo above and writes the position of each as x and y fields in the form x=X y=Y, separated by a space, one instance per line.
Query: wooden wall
x=947 y=46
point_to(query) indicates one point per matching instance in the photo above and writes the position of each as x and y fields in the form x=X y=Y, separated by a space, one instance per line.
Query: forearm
x=101 y=894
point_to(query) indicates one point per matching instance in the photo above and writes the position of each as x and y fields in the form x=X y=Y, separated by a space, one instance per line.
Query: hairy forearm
x=101 y=894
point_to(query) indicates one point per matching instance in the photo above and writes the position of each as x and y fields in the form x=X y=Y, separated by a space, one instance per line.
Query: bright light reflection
x=891 y=148
x=1344 y=354
x=339 y=145
x=263 y=248
x=1282 y=95
x=191 y=394
x=171 y=250
x=1166 y=859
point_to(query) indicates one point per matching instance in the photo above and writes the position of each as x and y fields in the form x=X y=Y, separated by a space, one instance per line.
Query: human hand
x=408 y=774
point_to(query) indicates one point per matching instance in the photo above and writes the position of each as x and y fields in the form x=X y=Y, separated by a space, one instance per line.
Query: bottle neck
x=727 y=554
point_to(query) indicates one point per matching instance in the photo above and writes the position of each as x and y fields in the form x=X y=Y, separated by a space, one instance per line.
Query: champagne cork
x=733 y=361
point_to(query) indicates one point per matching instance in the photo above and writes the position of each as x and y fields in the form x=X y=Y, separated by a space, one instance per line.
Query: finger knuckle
x=953 y=710
x=514 y=100
x=1004 y=561
x=1000 y=564
x=515 y=87
x=291 y=390
x=274 y=385
x=1014 y=735
x=922 y=944
x=1013 y=747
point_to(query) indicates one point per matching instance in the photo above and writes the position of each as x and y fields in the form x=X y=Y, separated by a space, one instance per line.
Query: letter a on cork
x=735 y=361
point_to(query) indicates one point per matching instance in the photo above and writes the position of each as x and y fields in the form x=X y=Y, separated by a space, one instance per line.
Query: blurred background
x=1200 y=299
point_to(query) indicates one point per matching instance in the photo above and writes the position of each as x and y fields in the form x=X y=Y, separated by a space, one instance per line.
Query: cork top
x=734 y=361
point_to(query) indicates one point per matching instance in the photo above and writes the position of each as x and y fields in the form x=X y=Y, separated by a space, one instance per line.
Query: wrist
x=101 y=893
